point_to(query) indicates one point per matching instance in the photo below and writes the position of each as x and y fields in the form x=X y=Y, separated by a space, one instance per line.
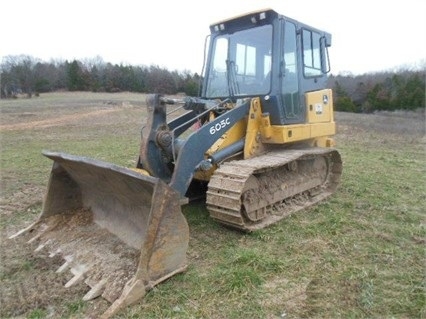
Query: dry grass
x=358 y=255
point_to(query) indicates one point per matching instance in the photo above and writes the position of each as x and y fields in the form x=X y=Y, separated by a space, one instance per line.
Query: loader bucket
x=120 y=231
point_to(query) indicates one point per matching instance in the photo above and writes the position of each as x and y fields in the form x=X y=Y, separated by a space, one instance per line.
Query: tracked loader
x=262 y=149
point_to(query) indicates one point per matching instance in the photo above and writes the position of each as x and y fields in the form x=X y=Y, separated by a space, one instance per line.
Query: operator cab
x=260 y=54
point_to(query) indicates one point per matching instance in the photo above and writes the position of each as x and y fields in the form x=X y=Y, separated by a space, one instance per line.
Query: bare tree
x=18 y=73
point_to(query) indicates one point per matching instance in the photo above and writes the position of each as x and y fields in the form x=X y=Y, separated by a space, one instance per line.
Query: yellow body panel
x=258 y=131
x=298 y=132
x=253 y=144
x=319 y=124
x=319 y=106
x=235 y=133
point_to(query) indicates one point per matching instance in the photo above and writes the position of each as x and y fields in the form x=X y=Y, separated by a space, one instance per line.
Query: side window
x=221 y=51
x=217 y=84
x=311 y=53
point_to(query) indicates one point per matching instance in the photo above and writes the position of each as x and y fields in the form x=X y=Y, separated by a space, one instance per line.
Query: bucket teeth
x=41 y=246
x=78 y=271
x=42 y=229
x=33 y=239
x=65 y=265
x=56 y=252
x=96 y=291
x=24 y=231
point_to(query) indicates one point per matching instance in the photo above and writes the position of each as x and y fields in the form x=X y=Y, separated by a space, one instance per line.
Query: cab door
x=290 y=90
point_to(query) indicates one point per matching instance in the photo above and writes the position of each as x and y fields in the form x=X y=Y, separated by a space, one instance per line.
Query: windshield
x=240 y=63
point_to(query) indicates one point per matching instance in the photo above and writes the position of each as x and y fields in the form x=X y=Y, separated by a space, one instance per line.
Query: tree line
x=23 y=74
x=400 y=90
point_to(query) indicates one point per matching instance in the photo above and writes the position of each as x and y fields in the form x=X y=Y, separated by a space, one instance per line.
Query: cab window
x=311 y=53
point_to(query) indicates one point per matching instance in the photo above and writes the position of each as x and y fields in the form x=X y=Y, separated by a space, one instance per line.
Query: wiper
x=231 y=76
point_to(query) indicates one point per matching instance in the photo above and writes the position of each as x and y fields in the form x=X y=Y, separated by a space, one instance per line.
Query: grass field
x=361 y=254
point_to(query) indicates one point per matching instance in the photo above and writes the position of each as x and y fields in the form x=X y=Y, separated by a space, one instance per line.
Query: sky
x=367 y=35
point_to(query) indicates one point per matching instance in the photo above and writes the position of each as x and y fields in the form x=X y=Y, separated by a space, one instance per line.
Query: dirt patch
x=55 y=121
x=288 y=297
